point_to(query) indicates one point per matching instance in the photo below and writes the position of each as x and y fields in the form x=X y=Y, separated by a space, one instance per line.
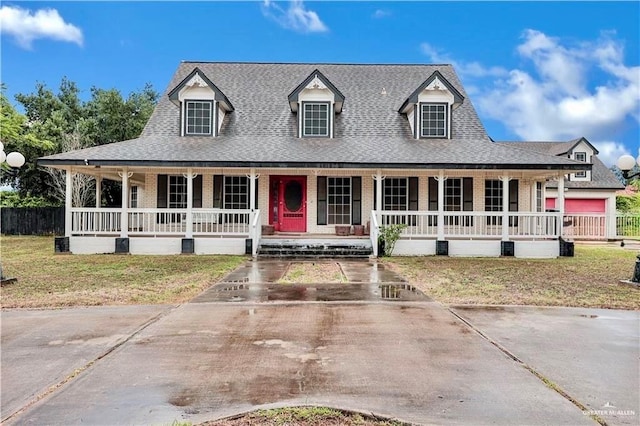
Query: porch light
x=15 y=160
x=625 y=163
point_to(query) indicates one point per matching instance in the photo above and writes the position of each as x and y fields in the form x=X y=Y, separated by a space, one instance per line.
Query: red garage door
x=584 y=205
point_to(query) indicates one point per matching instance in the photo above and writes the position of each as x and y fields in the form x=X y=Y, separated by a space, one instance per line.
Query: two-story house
x=233 y=149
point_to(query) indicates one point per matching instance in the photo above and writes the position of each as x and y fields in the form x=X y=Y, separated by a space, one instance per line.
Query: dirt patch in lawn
x=313 y=273
x=305 y=416
x=591 y=279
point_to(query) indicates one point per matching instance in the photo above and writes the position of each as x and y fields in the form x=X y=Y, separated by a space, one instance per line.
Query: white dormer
x=583 y=151
x=316 y=101
x=429 y=108
x=202 y=105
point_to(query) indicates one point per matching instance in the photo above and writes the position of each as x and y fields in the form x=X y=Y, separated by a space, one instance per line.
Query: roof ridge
x=312 y=63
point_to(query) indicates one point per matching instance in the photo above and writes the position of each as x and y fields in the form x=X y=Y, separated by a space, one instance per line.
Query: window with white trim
x=493 y=200
x=394 y=191
x=199 y=118
x=339 y=201
x=581 y=156
x=539 y=196
x=177 y=192
x=433 y=120
x=453 y=195
x=236 y=192
x=315 y=120
x=133 y=197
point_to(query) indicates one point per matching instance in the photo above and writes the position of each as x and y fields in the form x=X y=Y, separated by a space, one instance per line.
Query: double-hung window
x=493 y=200
x=581 y=156
x=433 y=120
x=199 y=118
x=177 y=193
x=395 y=194
x=315 y=119
x=236 y=192
x=339 y=201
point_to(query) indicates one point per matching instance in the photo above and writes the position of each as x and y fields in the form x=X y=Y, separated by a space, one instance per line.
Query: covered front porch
x=226 y=211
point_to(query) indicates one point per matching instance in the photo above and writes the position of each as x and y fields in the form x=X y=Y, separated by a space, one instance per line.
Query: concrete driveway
x=407 y=358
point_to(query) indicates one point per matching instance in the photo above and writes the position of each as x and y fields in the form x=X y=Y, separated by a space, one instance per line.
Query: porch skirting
x=157 y=245
x=538 y=249
x=237 y=246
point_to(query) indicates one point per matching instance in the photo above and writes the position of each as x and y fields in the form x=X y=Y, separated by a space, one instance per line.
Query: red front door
x=288 y=203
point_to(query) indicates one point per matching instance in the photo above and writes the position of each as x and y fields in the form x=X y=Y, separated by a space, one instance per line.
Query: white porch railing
x=472 y=224
x=628 y=225
x=256 y=232
x=86 y=221
x=102 y=221
x=585 y=226
x=374 y=232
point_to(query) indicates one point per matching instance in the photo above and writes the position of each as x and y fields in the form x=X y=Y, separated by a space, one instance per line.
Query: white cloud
x=381 y=13
x=26 y=26
x=296 y=17
x=554 y=101
x=553 y=96
x=465 y=69
x=609 y=152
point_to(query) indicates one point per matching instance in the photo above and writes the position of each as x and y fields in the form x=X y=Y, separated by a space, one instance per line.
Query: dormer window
x=581 y=156
x=199 y=118
x=202 y=105
x=433 y=120
x=429 y=108
x=316 y=119
x=316 y=101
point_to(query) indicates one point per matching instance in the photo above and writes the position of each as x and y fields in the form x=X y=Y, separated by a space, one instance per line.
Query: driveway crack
x=78 y=371
x=547 y=382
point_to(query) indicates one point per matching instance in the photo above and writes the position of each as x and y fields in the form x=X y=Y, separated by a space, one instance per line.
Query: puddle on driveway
x=257 y=292
x=256 y=281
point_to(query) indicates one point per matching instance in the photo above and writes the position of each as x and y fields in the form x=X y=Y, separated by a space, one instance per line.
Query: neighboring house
x=233 y=148
x=590 y=195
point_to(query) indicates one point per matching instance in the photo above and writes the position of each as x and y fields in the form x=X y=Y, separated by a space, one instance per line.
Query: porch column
x=505 y=207
x=560 y=203
x=378 y=179
x=68 y=201
x=611 y=213
x=440 y=229
x=98 y=191
x=252 y=189
x=124 y=216
x=189 y=218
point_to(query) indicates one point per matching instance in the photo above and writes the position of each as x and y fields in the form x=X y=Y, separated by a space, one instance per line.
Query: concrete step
x=315 y=249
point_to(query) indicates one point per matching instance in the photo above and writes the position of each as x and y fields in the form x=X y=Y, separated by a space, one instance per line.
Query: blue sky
x=534 y=71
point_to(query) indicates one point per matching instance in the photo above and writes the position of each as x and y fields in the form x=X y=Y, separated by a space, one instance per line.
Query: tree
x=17 y=135
x=52 y=120
x=83 y=186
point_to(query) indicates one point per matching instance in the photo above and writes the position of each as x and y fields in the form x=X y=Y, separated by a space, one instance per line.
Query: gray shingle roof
x=262 y=130
x=601 y=176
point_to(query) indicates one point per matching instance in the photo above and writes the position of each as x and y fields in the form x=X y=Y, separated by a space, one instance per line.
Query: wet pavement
x=255 y=281
x=413 y=361
x=592 y=354
x=382 y=347
x=228 y=292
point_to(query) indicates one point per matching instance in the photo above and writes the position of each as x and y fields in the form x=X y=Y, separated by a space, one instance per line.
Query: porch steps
x=316 y=248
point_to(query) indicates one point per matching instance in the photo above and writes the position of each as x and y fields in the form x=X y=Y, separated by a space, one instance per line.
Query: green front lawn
x=590 y=279
x=46 y=279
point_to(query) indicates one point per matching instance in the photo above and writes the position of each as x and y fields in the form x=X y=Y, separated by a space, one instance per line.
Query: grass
x=304 y=416
x=313 y=273
x=47 y=280
x=590 y=279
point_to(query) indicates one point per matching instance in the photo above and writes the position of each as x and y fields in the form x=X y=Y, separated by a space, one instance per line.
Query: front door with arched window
x=288 y=203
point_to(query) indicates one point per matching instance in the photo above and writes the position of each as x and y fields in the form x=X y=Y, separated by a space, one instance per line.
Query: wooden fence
x=32 y=220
